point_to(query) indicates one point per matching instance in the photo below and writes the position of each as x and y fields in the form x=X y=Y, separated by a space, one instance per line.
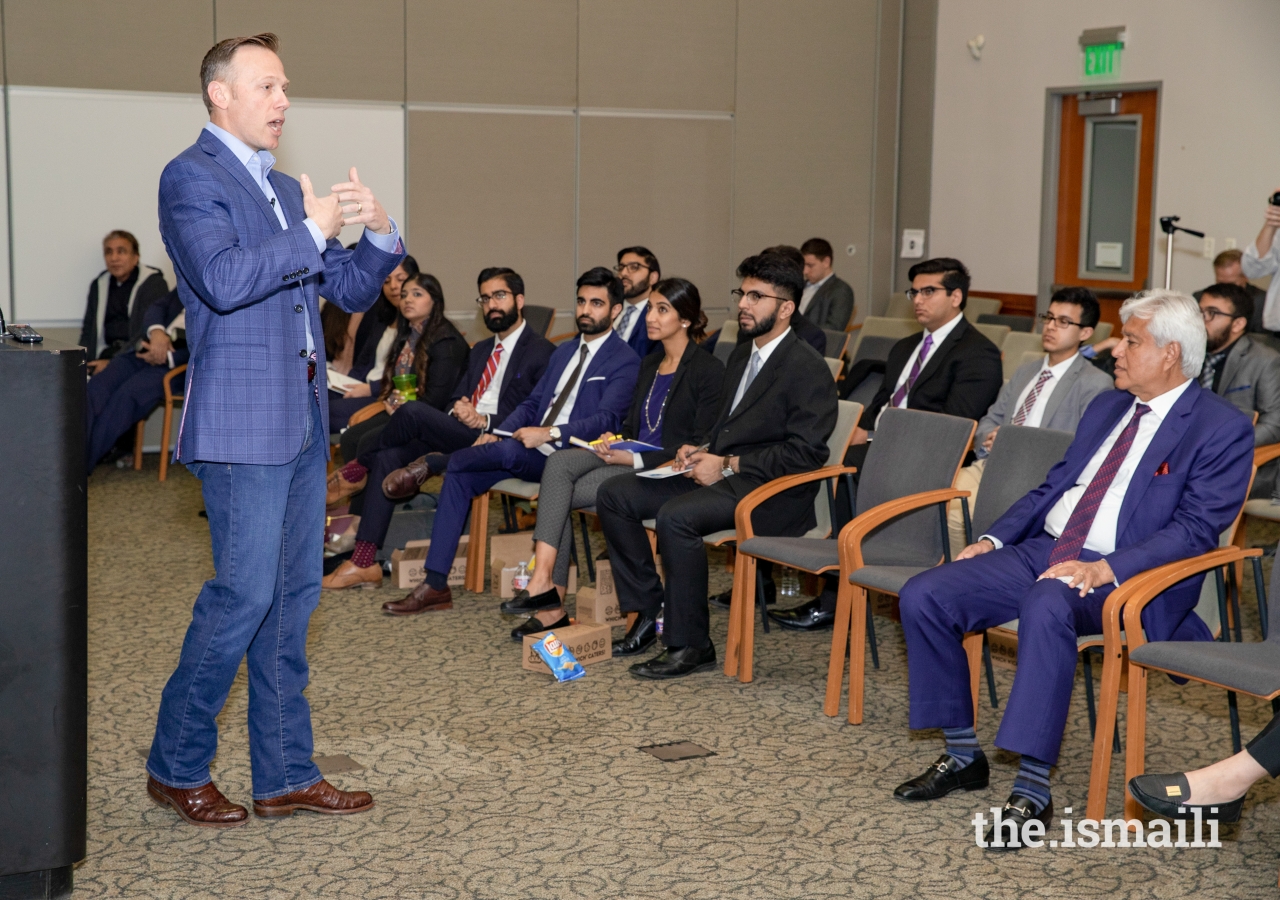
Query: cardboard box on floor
x=603 y=610
x=590 y=642
x=407 y=565
x=502 y=581
x=604 y=579
x=1004 y=649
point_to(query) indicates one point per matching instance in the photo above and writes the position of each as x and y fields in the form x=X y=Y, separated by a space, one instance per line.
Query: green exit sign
x=1101 y=60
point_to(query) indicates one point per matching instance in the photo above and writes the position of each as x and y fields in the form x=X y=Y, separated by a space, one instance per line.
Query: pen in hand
x=683 y=461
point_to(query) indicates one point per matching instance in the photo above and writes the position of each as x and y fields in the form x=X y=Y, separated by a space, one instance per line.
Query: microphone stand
x=1167 y=226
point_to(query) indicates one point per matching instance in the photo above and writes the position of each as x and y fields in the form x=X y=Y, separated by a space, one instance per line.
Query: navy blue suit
x=1186 y=490
x=639 y=340
x=129 y=388
x=418 y=429
x=603 y=400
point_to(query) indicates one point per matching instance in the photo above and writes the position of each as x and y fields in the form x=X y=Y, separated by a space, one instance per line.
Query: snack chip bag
x=559 y=658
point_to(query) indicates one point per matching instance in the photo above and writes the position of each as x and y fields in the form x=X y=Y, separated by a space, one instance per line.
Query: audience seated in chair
x=118 y=301
x=676 y=400
x=828 y=300
x=375 y=329
x=1157 y=470
x=585 y=392
x=1051 y=392
x=501 y=372
x=950 y=367
x=131 y=385
x=427 y=346
x=639 y=270
x=778 y=407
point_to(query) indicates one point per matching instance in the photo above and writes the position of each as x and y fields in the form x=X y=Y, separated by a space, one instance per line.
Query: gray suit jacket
x=1251 y=380
x=832 y=305
x=1067 y=403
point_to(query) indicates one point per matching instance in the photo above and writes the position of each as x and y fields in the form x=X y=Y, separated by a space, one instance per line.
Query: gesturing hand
x=326 y=212
x=360 y=207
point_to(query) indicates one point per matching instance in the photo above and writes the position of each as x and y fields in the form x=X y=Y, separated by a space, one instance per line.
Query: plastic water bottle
x=520 y=581
x=790 y=583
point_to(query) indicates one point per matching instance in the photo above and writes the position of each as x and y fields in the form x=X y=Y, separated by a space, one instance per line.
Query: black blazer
x=369 y=333
x=780 y=428
x=446 y=357
x=527 y=364
x=693 y=401
x=962 y=377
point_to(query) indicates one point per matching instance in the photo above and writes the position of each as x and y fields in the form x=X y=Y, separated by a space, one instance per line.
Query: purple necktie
x=901 y=393
x=1030 y=403
x=1071 y=541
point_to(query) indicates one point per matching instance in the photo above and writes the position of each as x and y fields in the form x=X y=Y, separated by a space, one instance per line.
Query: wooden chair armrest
x=852 y=534
x=1264 y=454
x=742 y=514
x=852 y=328
x=1146 y=586
x=557 y=338
x=366 y=412
x=173 y=373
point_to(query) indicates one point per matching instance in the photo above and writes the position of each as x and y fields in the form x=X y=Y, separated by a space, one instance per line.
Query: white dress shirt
x=637 y=317
x=809 y=290
x=763 y=353
x=566 y=411
x=381 y=354
x=943 y=332
x=1254 y=266
x=488 y=404
x=1036 y=415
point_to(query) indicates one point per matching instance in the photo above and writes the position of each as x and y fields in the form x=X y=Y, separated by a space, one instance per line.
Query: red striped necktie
x=490 y=369
x=1072 y=539
x=1030 y=403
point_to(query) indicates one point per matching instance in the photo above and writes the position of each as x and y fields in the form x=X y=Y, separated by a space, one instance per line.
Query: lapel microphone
x=272 y=201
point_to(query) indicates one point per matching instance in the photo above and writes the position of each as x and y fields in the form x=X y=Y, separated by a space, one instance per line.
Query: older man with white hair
x=1157 y=470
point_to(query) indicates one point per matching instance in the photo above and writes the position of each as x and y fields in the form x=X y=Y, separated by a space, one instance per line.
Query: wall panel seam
x=493 y=108
x=623 y=113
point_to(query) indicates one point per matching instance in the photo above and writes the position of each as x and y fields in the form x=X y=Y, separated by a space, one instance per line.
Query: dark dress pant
x=118 y=397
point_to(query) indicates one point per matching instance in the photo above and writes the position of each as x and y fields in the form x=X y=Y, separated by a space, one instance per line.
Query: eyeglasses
x=495 y=297
x=925 y=292
x=1210 y=314
x=1060 y=321
x=631 y=268
x=754 y=297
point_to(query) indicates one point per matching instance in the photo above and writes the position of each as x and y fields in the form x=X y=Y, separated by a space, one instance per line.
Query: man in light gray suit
x=827 y=301
x=1241 y=370
x=1051 y=392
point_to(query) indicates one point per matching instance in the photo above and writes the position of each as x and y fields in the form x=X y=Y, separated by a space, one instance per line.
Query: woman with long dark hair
x=676 y=401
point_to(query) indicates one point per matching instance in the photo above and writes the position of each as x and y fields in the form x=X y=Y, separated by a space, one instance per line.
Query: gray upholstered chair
x=539 y=319
x=837 y=343
x=977 y=306
x=871 y=347
x=910 y=466
x=1015 y=323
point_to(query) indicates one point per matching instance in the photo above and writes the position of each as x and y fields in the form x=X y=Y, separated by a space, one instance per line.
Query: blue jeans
x=267 y=528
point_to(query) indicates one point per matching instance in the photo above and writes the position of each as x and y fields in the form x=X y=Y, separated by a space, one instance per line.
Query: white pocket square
x=597 y=378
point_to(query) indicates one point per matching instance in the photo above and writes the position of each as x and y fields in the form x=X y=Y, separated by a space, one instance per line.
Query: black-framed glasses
x=632 y=268
x=925 y=292
x=1210 y=314
x=754 y=297
x=1060 y=321
x=495 y=297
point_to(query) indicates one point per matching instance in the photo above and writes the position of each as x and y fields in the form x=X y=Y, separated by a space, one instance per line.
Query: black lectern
x=43 y=617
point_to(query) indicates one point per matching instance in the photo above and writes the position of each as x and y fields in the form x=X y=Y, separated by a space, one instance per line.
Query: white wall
x=85 y=162
x=1216 y=158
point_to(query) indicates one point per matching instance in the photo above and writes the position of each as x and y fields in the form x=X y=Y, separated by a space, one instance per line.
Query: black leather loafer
x=524 y=604
x=533 y=626
x=676 y=662
x=640 y=636
x=805 y=617
x=1166 y=795
x=1017 y=809
x=944 y=776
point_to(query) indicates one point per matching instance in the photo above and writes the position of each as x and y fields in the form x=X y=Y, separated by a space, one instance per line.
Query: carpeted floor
x=494 y=782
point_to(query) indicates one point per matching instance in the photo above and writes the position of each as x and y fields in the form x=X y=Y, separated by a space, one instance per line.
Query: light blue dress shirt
x=259 y=165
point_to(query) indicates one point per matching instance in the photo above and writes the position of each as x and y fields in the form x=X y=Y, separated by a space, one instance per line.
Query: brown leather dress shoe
x=349 y=575
x=321 y=797
x=338 y=489
x=402 y=484
x=204 y=806
x=423 y=599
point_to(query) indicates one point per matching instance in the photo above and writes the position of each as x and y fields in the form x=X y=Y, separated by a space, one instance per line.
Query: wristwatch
x=728 y=469
x=554 y=431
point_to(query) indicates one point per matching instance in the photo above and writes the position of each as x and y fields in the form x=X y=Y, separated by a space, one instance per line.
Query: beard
x=762 y=326
x=1216 y=343
x=497 y=320
x=589 y=326
x=635 y=290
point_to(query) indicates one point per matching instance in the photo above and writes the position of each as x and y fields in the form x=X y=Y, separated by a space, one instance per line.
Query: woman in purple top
x=676 y=402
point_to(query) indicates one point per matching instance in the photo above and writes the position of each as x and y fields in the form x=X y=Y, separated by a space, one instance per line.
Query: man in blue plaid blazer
x=252 y=250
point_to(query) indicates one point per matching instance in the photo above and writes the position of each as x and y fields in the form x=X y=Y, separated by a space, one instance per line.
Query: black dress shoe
x=676 y=662
x=523 y=604
x=805 y=617
x=533 y=626
x=726 y=599
x=944 y=776
x=1017 y=809
x=640 y=636
x=1166 y=795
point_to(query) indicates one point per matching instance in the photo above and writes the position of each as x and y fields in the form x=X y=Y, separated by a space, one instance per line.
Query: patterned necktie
x=753 y=369
x=490 y=369
x=1071 y=541
x=627 y=315
x=554 y=411
x=901 y=393
x=1030 y=403
x=1209 y=370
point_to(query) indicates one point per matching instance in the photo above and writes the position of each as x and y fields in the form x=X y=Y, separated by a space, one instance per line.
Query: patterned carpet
x=494 y=782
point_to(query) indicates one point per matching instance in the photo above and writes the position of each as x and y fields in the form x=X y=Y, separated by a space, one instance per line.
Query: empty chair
x=977 y=306
x=899 y=307
x=538 y=317
x=1015 y=344
x=727 y=341
x=994 y=333
x=871 y=348
x=1015 y=323
x=836 y=366
x=837 y=343
x=876 y=326
x=1101 y=332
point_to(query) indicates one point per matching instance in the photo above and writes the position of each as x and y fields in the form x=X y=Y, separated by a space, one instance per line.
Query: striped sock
x=1033 y=780
x=353 y=472
x=962 y=743
x=362 y=556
